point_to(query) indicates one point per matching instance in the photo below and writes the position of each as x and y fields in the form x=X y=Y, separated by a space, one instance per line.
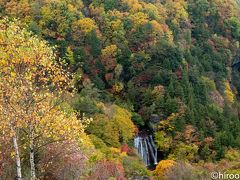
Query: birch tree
x=31 y=86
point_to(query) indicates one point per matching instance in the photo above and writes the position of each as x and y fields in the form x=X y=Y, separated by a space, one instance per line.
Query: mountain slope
x=148 y=67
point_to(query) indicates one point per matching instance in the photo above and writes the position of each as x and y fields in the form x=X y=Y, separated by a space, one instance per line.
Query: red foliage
x=103 y=170
x=59 y=37
x=125 y=148
x=109 y=76
x=87 y=50
x=85 y=77
x=94 y=71
x=210 y=42
x=178 y=73
x=142 y=79
x=62 y=161
x=109 y=63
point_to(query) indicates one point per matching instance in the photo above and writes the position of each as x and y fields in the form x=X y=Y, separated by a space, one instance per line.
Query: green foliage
x=234 y=25
x=98 y=143
x=184 y=152
x=162 y=141
x=133 y=167
x=85 y=102
x=137 y=119
x=210 y=85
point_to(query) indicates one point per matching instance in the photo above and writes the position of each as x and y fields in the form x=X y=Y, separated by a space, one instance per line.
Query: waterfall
x=155 y=148
x=147 y=149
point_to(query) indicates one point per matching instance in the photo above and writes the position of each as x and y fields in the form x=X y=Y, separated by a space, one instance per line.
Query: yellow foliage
x=115 y=123
x=162 y=30
x=116 y=13
x=118 y=87
x=115 y=150
x=166 y=123
x=52 y=11
x=83 y=27
x=133 y=4
x=86 y=25
x=97 y=11
x=117 y=24
x=232 y=154
x=56 y=124
x=122 y=118
x=139 y=19
x=28 y=77
x=157 y=27
x=20 y=9
x=228 y=92
x=162 y=167
x=158 y=90
x=209 y=83
x=109 y=51
x=136 y=7
x=177 y=10
x=156 y=12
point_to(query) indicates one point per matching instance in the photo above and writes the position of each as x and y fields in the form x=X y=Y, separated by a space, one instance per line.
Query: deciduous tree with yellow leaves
x=31 y=86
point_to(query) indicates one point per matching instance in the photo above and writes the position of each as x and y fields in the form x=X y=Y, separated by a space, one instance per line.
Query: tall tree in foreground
x=31 y=86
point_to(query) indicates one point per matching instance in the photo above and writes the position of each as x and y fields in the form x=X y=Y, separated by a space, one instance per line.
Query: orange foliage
x=162 y=167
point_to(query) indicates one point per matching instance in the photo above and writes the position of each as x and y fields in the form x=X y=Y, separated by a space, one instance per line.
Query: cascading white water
x=146 y=149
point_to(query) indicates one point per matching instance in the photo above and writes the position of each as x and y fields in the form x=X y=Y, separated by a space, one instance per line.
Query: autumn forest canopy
x=119 y=89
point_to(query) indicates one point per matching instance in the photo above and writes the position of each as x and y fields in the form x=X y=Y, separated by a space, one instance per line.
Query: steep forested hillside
x=120 y=75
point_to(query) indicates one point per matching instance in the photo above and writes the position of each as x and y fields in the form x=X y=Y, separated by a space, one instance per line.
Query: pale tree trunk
x=32 y=163
x=18 y=161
